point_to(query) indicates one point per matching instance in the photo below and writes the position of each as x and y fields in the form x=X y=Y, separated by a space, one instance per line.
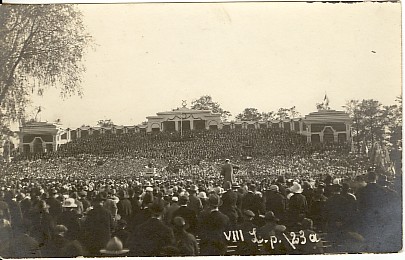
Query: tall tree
x=40 y=46
x=352 y=107
x=266 y=116
x=249 y=114
x=373 y=122
x=105 y=123
x=293 y=112
x=206 y=103
x=283 y=113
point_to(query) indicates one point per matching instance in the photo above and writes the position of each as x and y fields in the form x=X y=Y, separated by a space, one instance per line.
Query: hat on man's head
x=82 y=193
x=281 y=179
x=269 y=216
x=307 y=223
x=69 y=203
x=202 y=195
x=60 y=229
x=193 y=188
x=214 y=200
x=274 y=188
x=227 y=160
x=248 y=213
x=280 y=228
x=175 y=199
x=114 y=247
x=179 y=222
x=296 y=188
x=321 y=185
x=183 y=200
x=156 y=208
x=149 y=189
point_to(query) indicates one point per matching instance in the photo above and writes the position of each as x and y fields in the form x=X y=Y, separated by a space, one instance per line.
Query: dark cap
x=270 y=216
x=214 y=200
x=179 y=222
x=156 y=208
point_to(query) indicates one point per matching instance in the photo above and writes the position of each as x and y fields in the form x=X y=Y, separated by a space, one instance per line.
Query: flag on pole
x=326 y=100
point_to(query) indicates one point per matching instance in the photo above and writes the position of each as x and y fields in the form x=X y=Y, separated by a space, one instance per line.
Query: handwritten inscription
x=293 y=238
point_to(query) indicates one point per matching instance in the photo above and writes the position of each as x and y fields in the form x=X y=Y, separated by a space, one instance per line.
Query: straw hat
x=202 y=195
x=69 y=203
x=296 y=188
x=114 y=247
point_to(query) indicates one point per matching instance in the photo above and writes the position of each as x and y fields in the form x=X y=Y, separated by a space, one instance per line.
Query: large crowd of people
x=96 y=197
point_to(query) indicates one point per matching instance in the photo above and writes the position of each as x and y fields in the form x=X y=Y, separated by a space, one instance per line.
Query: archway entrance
x=328 y=135
x=38 y=146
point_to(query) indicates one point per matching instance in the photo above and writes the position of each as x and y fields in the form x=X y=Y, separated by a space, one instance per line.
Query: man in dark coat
x=70 y=219
x=86 y=203
x=23 y=246
x=227 y=171
x=42 y=223
x=335 y=210
x=316 y=210
x=187 y=214
x=194 y=202
x=124 y=206
x=253 y=201
x=275 y=202
x=151 y=237
x=297 y=206
x=15 y=211
x=229 y=199
x=55 y=207
x=57 y=242
x=380 y=214
x=213 y=225
x=98 y=225
x=168 y=216
x=247 y=247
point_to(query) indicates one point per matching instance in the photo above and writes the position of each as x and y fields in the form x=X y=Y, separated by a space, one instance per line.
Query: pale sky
x=150 y=57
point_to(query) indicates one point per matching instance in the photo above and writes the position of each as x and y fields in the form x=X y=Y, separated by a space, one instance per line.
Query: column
x=335 y=137
x=191 y=124
x=31 y=147
x=309 y=134
x=348 y=131
x=176 y=125
x=54 y=143
x=321 y=137
x=21 y=145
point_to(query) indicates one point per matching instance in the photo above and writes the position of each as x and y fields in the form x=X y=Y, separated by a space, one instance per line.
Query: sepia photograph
x=200 y=129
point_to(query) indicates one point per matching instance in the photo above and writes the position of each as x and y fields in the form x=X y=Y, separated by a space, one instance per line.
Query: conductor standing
x=227 y=172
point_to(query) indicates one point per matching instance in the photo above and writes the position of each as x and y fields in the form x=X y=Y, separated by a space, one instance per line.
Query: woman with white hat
x=297 y=205
x=70 y=219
